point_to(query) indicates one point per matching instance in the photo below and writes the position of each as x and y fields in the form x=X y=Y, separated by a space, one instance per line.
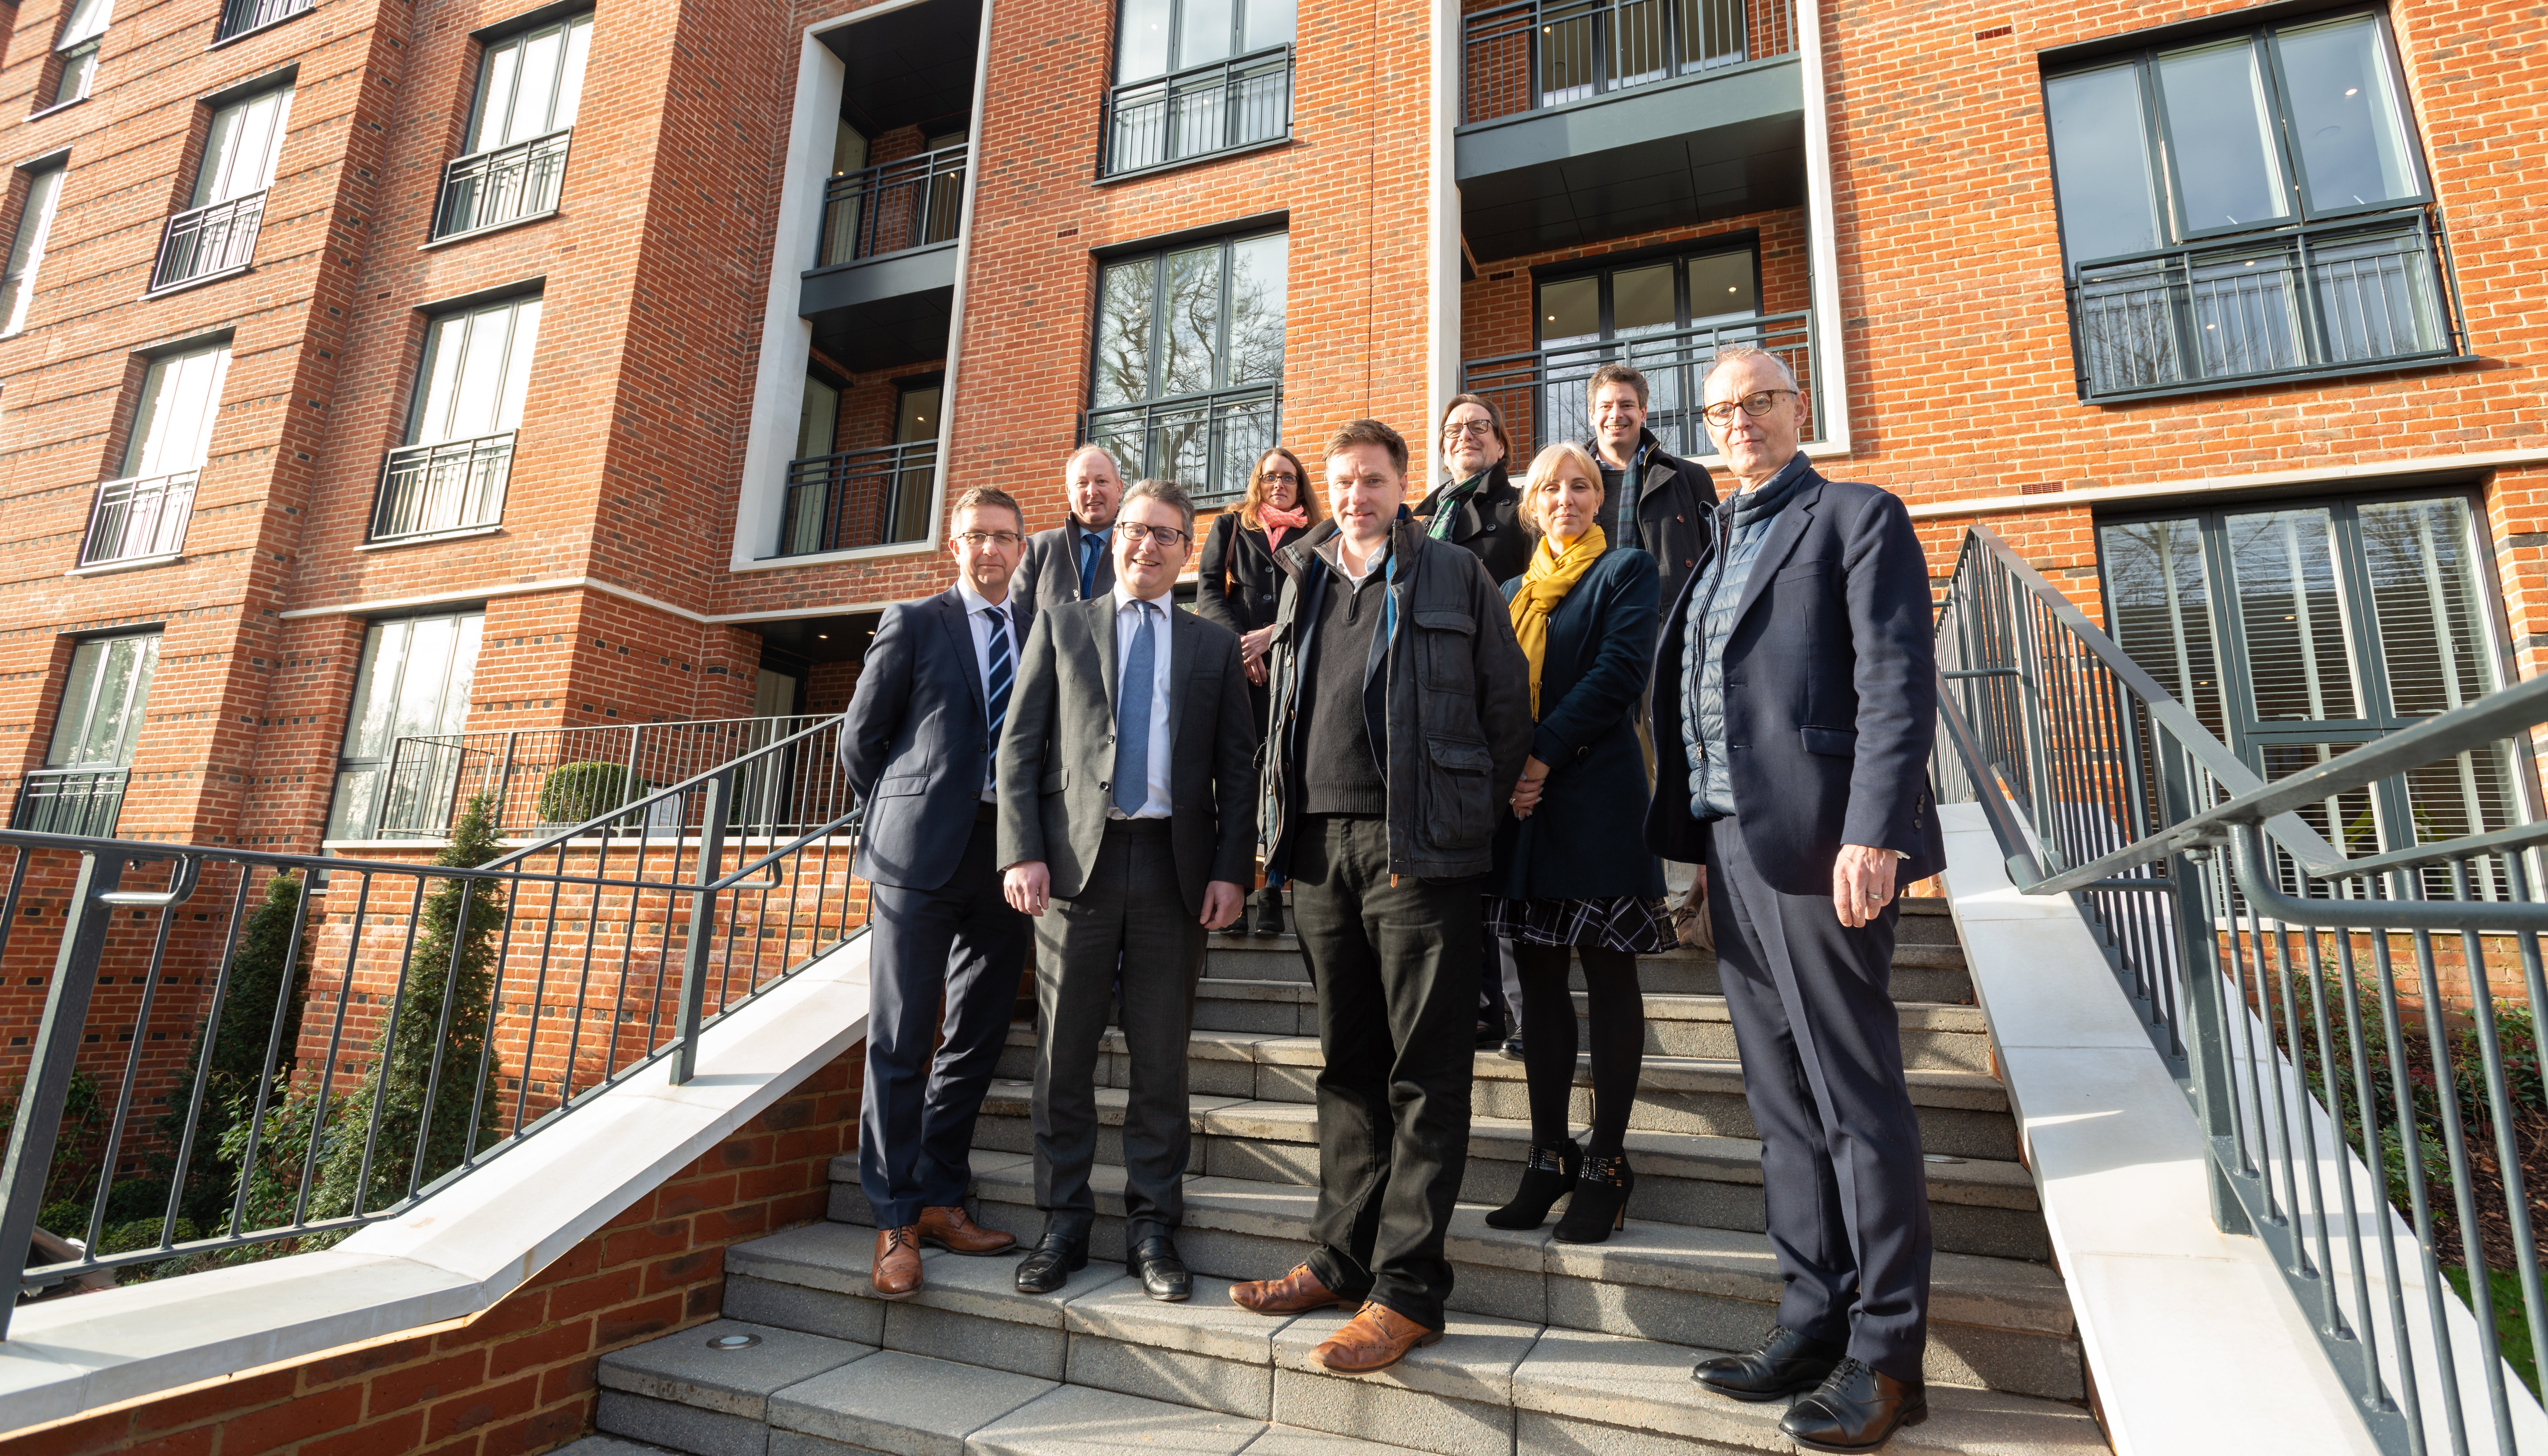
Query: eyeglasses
x=1285 y=476
x=1475 y=430
x=1756 y=403
x=1135 y=533
x=977 y=540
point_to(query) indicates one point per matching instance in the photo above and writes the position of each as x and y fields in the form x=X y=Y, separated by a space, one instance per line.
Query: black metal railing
x=540 y=779
x=1206 y=443
x=205 y=241
x=2299 y=301
x=489 y=189
x=858 y=497
x=453 y=486
x=1244 y=101
x=361 y=1033
x=1543 y=392
x=2362 y=1055
x=239 y=17
x=1536 y=53
x=81 y=801
x=894 y=206
x=140 y=519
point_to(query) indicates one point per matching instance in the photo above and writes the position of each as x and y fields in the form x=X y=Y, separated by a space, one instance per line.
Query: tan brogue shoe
x=1374 y=1339
x=896 y=1275
x=954 y=1230
x=1290 y=1294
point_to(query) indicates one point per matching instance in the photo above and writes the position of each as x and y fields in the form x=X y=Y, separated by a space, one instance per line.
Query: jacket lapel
x=1099 y=615
x=959 y=634
x=1785 y=533
x=1182 y=652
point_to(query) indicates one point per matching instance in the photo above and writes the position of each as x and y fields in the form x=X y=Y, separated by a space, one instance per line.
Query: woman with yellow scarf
x=1572 y=876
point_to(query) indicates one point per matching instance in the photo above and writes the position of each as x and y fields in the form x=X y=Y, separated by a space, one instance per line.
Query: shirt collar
x=974 y=602
x=1331 y=551
x=1125 y=599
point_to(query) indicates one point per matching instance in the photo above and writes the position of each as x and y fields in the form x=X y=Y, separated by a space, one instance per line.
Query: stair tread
x=1660 y=1005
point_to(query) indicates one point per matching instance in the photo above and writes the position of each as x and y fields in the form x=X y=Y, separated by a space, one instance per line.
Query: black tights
x=1548 y=1041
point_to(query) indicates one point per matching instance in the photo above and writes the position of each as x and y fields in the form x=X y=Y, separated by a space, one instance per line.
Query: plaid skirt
x=1626 y=923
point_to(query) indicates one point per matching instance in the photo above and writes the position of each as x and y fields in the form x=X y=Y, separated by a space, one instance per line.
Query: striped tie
x=1002 y=673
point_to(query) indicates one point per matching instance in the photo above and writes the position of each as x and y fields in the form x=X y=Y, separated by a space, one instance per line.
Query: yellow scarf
x=1550 y=576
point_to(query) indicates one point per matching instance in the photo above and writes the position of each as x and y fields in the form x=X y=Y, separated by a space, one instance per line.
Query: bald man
x=1072 y=562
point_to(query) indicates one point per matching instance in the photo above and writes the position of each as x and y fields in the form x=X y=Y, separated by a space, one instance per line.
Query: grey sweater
x=1742 y=525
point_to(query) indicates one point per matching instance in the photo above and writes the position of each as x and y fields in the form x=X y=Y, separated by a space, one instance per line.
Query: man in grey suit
x=1072 y=562
x=1127 y=811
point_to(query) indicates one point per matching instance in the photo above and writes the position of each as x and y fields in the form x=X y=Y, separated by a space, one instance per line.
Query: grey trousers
x=1128 y=919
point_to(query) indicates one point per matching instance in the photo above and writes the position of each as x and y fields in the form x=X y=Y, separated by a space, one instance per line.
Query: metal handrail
x=443 y=486
x=1203 y=110
x=430 y=778
x=1530 y=54
x=238 y=17
x=53 y=800
x=1215 y=431
x=139 y=517
x=1541 y=391
x=502 y=184
x=876 y=496
x=218 y=238
x=893 y=207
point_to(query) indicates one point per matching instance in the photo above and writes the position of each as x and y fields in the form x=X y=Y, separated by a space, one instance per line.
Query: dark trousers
x=962 y=948
x=1129 y=921
x=1840 y=1149
x=1397 y=972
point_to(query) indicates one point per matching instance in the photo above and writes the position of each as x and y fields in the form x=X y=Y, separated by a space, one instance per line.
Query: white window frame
x=453 y=343
x=172 y=427
x=27 y=253
x=242 y=147
x=499 y=70
x=83 y=36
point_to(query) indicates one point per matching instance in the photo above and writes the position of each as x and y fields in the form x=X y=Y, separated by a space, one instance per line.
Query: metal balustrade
x=1206 y=443
x=238 y=17
x=2357 y=1036
x=82 y=802
x=452 y=486
x=858 y=497
x=1223 y=105
x=893 y=207
x=208 y=241
x=1537 y=54
x=138 y=519
x=1542 y=391
x=507 y=184
x=537 y=779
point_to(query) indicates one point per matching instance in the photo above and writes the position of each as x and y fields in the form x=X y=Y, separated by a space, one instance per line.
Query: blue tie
x=1132 y=720
x=1090 y=544
x=1003 y=673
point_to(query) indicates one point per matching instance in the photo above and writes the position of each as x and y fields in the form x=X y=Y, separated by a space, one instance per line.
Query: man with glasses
x=1658 y=501
x=1128 y=831
x=1071 y=561
x=1794 y=694
x=917 y=748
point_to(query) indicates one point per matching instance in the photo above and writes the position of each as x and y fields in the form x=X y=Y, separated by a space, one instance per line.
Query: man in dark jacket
x=1074 y=562
x=1478 y=506
x=1401 y=720
x=1656 y=499
x=1794 y=694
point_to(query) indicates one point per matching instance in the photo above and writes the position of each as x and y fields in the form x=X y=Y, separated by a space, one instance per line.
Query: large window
x=414 y=682
x=80 y=788
x=453 y=472
x=2244 y=207
x=1666 y=315
x=141 y=513
x=27 y=253
x=217 y=234
x=1189 y=361
x=514 y=162
x=1193 y=77
x=75 y=52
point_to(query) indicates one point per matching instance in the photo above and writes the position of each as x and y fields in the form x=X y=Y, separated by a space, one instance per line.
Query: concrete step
x=1976 y=1205
x=1963 y=1114
x=1927 y=964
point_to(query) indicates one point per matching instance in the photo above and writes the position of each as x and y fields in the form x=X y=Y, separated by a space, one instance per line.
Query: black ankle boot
x=1548 y=1176
x=1265 y=912
x=1601 y=1202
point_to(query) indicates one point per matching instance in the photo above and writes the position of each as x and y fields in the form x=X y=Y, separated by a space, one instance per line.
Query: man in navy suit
x=1794 y=697
x=918 y=746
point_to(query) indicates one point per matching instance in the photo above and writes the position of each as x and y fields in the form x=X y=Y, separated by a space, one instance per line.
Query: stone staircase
x=1552 y=1348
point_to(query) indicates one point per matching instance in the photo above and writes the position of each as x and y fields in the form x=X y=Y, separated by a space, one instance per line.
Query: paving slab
x=1074 y=1420
x=695 y=1369
x=902 y=1405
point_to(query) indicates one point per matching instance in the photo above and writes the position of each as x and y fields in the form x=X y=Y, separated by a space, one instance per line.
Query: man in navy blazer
x=1795 y=698
x=917 y=747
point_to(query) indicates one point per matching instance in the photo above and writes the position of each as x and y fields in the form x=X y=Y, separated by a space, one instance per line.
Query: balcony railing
x=1221 y=106
x=1536 y=53
x=537 y=779
x=489 y=189
x=454 y=485
x=140 y=519
x=858 y=497
x=2302 y=301
x=1542 y=391
x=239 y=17
x=81 y=801
x=205 y=241
x=1203 y=443
x=894 y=206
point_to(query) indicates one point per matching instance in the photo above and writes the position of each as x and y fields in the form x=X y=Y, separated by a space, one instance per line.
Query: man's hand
x=1863 y=880
x=1028 y=886
x=1221 y=902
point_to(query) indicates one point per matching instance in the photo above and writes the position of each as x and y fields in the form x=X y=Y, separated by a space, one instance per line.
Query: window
x=75 y=53
x=26 y=254
x=141 y=513
x=414 y=680
x=459 y=457
x=1668 y=317
x=514 y=162
x=238 y=17
x=868 y=494
x=2245 y=206
x=1189 y=361
x=217 y=234
x=1193 y=77
x=80 y=788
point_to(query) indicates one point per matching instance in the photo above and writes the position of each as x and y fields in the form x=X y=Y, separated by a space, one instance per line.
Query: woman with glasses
x=1238 y=583
x=1571 y=879
x=1476 y=505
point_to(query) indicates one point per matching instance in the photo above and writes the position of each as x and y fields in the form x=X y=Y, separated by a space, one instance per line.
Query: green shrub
x=238 y=1043
x=576 y=792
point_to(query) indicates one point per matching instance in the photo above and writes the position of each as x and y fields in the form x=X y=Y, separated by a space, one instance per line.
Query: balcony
x=882 y=292
x=1589 y=120
x=80 y=801
x=1205 y=442
x=1542 y=391
x=859 y=498
x=239 y=17
x=2299 y=303
x=138 y=520
x=440 y=488
x=1224 y=106
x=511 y=184
x=208 y=242
x=893 y=207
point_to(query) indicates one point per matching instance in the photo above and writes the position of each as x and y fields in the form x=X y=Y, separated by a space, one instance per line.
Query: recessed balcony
x=856 y=498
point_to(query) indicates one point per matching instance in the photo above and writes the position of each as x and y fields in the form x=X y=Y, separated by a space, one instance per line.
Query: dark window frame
x=1236 y=63
x=1219 y=396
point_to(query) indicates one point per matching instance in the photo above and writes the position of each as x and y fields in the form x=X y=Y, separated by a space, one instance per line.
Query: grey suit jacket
x=1048 y=574
x=1057 y=752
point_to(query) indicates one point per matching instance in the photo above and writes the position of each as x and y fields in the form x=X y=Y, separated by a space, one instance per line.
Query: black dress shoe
x=1512 y=1047
x=1782 y=1364
x=1855 y=1408
x=1051 y=1263
x=1163 y=1275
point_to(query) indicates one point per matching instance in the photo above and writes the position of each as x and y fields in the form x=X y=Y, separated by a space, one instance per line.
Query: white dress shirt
x=1126 y=621
x=977 y=610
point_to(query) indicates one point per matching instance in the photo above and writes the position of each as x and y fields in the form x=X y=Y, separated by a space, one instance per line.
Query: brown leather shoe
x=952 y=1230
x=896 y=1275
x=1374 y=1339
x=1290 y=1294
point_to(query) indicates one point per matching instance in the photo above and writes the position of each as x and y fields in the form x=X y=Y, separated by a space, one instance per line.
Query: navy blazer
x=1579 y=843
x=916 y=741
x=1831 y=695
